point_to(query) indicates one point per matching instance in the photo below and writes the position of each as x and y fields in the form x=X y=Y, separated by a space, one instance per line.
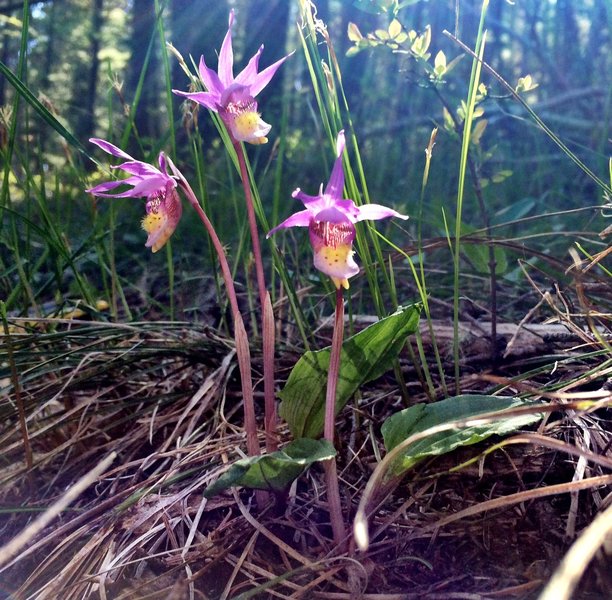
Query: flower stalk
x=163 y=211
x=331 y=472
x=243 y=354
x=331 y=220
x=267 y=316
x=233 y=98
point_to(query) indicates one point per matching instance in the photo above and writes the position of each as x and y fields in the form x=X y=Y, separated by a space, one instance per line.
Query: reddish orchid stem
x=267 y=318
x=242 y=346
x=331 y=474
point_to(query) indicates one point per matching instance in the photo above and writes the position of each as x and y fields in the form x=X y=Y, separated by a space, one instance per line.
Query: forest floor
x=165 y=398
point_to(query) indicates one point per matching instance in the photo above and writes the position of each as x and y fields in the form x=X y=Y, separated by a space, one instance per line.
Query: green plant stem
x=476 y=181
x=331 y=474
x=242 y=348
x=266 y=309
x=467 y=131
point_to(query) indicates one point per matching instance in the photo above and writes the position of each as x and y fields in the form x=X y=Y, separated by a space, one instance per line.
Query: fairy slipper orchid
x=163 y=207
x=234 y=97
x=331 y=223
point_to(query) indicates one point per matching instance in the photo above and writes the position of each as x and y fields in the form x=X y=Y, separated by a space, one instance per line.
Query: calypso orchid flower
x=234 y=97
x=331 y=223
x=163 y=207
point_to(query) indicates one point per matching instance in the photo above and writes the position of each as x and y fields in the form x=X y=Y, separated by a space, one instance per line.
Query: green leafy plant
x=365 y=356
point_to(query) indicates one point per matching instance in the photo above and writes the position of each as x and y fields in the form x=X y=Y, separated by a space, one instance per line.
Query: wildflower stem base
x=267 y=316
x=331 y=474
x=242 y=346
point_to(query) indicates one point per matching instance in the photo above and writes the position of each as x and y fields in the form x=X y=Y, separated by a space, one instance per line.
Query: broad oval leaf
x=395 y=28
x=353 y=33
x=365 y=356
x=275 y=471
x=418 y=418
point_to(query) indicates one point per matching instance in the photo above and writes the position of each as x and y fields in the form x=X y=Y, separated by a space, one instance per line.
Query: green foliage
x=365 y=356
x=419 y=418
x=275 y=471
x=478 y=255
x=41 y=109
x=376 y=6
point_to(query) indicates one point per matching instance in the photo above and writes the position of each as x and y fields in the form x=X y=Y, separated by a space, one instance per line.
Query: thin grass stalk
x=491 y=251
x=133 y=107
x=170 y=120
x=278 y=173
x=476 y=179
x=198 y=162
x=328 y=89
x=397 y=368
x=5 y=198
x=331 y=474
x=17 y=389
x=424 y=297
x=279 y=263
x=465 y=144
x=267 y=318
x=159 y=10
x=541 y=124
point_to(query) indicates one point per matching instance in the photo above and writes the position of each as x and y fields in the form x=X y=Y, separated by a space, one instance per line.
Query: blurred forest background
x=98 y=66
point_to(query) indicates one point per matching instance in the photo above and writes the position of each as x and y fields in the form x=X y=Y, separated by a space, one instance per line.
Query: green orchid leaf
x=420 y=417
x=365 y=357
x=275 y=471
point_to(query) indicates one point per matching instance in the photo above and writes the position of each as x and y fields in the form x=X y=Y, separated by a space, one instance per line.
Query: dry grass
x=162 y=401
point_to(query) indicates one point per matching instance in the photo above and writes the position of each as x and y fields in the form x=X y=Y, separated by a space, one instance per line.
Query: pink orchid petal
x=261 y=80
x=206 y=99
x=340 y=143
x=140 y=189
x=312 y=202
x=175 y=172
x=248 y=74
x=139 y=168
x=374 y=212
x=110 y=148
x=299 y=219
x=349 y=208
x=226 y=56
x=102 y=188
x=147 y=187
x=333 y=214
x=210 y=79
x=161 y=159
x=336 y=180
x=236 y=93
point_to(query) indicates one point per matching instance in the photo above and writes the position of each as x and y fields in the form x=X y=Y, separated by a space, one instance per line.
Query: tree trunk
x=85 y=83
